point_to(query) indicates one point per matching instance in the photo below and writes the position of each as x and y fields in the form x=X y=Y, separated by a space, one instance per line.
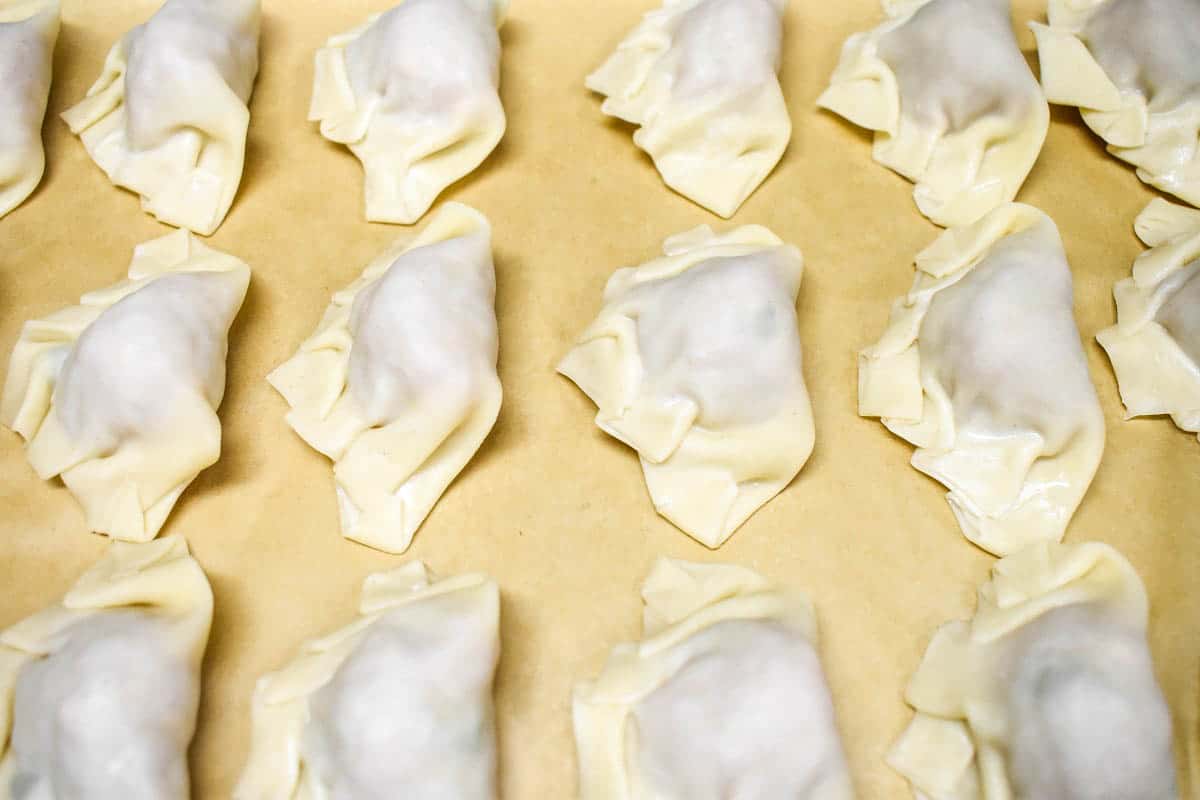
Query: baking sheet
x=551 y=507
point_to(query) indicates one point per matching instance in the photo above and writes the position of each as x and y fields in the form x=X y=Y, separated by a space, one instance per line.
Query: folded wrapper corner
x=167 y=118
x=385 y=91
x=952 y=102
x=1003 y=701
x=700 y=78
x=1155 y=345
x=398 y=384
x=1130 y=67
x=993 y=389
x=694 y=361
x=289 y=759
x=28 y=31
x=153 y=602
x=702 y=623
x=118 y=395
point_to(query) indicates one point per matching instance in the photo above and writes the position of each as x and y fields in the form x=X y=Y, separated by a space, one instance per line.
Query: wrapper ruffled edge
x=108 y=487
x=864 y=90
x=401 y=188
x=890 y=385
x=182 y=182
x=937 y=753
x=1164 y=146
x=681 y=598
x=159 y=578
x=1154 y=374
x=673 y=133
x=606 y=365
x=279 y=708
x=314 y=381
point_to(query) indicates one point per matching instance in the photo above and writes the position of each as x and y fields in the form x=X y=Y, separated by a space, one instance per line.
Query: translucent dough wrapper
x=1155 y=345
x=398 y=700
x=398 y=384
x=167 y=118
x=98 y=693
x=700 y=78
x=695 y=362
x=723 y=697
x=1048 y=691
x=952 y=102
x=28 y=31
x=413 y=92
x=118 y=395
x=1130 y=67
x=981 y=368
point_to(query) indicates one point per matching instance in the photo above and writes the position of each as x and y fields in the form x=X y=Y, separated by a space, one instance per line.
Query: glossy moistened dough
x=1155 y=345
x=952 y=102
x=694 y=361
x=700 y=78
x=724 y=697
x=398 y=703
x=413 y=93
x=167 y=117
x=98 y=693
x=1047 y=693
x=398 y=384
x=28 y=30
x=118 y=394
x=1131 y=68
x=982 y=369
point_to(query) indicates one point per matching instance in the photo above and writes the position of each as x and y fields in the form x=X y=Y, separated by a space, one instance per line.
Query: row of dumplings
x=942 y=83
x=694 y=362
x=1047 y=692
x=413 y=92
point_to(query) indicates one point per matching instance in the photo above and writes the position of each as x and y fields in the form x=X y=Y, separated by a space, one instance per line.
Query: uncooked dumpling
x=28 y=30
x=398 y=703
x=694 y=362
x=723 y=698
x=982 y=369
x=413 y=93
x=1047 y=693
x=700 y=78
x=98 y=693
x=398 y=384
x=118 y=394
x=167 y=117
x=1131 y=68
x=1155 y=345
x=952 y=101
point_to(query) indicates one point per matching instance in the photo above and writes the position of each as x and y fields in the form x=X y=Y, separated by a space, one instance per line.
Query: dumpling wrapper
x=953 y=104
x=167 y=118
x=98 y=693
x=118 y=395
x=398 y=385
x=724 y=697
x=1130 y=66
x=981 y=368
x=1048 y=692
x=28 y=31
x=413 y=92
x=695 y=363
x=1155 y=345
x=700 y=78
x=400 y=700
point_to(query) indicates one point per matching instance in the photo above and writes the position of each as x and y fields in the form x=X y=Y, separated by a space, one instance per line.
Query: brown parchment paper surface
x=550 y=506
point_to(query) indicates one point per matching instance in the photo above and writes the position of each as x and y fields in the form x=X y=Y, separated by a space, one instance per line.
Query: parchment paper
x=550 y=506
